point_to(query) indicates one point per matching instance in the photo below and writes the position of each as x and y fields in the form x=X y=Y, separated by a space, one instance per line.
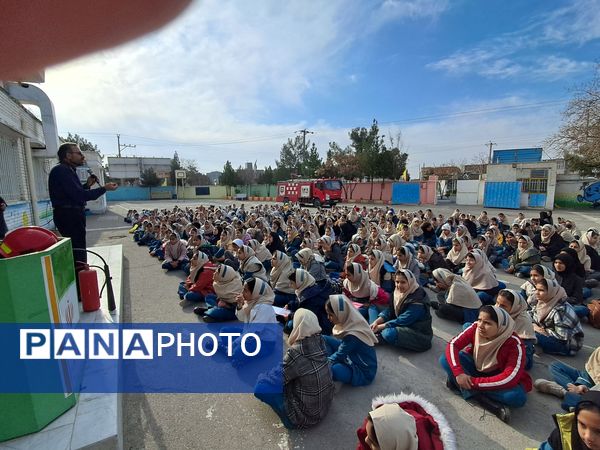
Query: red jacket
x=511 y=362
x=204 y=281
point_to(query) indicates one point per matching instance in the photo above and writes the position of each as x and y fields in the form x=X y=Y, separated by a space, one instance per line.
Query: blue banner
x=141 y=358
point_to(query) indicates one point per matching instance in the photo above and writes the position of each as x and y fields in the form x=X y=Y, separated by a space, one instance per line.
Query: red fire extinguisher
x=88 y=289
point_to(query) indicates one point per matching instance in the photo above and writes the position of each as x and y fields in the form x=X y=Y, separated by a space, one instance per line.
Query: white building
x=131 y=167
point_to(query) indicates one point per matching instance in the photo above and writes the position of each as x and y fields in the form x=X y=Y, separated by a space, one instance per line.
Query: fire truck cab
x=318 y=192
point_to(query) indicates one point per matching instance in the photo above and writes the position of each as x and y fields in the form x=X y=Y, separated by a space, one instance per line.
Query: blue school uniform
x=352 y=361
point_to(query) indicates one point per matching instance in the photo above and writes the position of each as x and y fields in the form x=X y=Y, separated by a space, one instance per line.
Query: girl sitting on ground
x=361 y=289
x=444 y=240
x=548 y=242
x=429 y=260
x=250 y=266
x=175 y=253
x=458 y=301
x=255 y=303
x=524 y=258
x=486 y=362
x=354 y=255
x=282 y=286
x=307 y=383
x=570 y=383
x=514 y=304
x=535 y=275
x=313 y=264
x=591 y=276
x=455 y=259
x=380 y=271
x=227 y=285
x=199 y=284
x=351 y=349
x=406 y=260
x=564 y=270
x=556 y=325
x=479 y=273
x=407 y=322
x=261 y=253
x=309 y=295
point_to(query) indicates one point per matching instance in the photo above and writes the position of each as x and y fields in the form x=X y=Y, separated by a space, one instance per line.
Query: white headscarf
x=556 y=293
x=480 y=276
x=375 y=269
x=282 y=267
x=460 y=292
x=304 y=256
x=306 y=324
x=359 y=285
x=485 y=351
x=400 y=297
x=518 y=312
x=586 y=238
x=261 y=252
x=227 y=283
x=303 y=280
x=351 y=322
x=583 y=256
x=395 y=428
x=458 y=257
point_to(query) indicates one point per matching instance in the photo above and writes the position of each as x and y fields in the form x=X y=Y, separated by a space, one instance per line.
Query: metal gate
x=406 y=193
x=502 y=194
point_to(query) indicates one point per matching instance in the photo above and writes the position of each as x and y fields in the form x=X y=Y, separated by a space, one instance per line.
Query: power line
x=163 y=142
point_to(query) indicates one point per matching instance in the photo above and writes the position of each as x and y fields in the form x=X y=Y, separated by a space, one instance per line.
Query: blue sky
x=234 y=80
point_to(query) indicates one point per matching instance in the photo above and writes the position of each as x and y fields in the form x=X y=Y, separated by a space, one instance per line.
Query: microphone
x=91 y=174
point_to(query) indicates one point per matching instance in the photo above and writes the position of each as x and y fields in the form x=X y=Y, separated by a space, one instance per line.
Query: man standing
x=68 y=196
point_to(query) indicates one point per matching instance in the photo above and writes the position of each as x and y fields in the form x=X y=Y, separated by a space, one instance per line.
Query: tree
x=193 y=176
x=228 y=178
x=578 y=139
x=245 y=175
x=175 y=165
x=296 y=159
x=149 y=178
x=267 y=177
x=83 y=143
x=312 y=162
x=368 y=146
x=397 y=157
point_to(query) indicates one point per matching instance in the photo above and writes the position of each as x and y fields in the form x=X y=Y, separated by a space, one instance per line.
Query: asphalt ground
x=219 y=421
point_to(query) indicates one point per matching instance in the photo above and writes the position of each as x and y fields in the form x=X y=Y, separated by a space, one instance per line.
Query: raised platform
x=95 y=421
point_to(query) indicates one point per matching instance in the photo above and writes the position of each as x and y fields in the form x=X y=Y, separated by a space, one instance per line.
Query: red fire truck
x=323 y=191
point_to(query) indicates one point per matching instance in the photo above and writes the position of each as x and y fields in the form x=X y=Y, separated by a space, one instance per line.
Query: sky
x=233 y=80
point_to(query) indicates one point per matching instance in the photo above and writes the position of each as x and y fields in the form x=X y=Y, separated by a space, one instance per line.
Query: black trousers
x=70 y=222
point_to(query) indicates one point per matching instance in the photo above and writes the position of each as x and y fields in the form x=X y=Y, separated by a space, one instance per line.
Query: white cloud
x=510 y=55
x=215 y=73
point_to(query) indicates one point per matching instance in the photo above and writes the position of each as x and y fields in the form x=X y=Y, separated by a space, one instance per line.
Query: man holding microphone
x=68 y=196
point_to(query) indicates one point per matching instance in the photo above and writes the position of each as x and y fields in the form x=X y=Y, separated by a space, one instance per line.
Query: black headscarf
x=577 y=266
x=276 y=243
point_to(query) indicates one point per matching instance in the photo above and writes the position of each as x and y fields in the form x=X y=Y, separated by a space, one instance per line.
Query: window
x=333 y=185
x=534 y=185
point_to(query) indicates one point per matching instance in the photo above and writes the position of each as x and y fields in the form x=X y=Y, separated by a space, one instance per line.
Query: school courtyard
x=218 y=421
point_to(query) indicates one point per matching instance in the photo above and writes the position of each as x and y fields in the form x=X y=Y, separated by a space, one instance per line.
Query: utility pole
x=122 y=146
x=304 y=133
x=490 y=144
